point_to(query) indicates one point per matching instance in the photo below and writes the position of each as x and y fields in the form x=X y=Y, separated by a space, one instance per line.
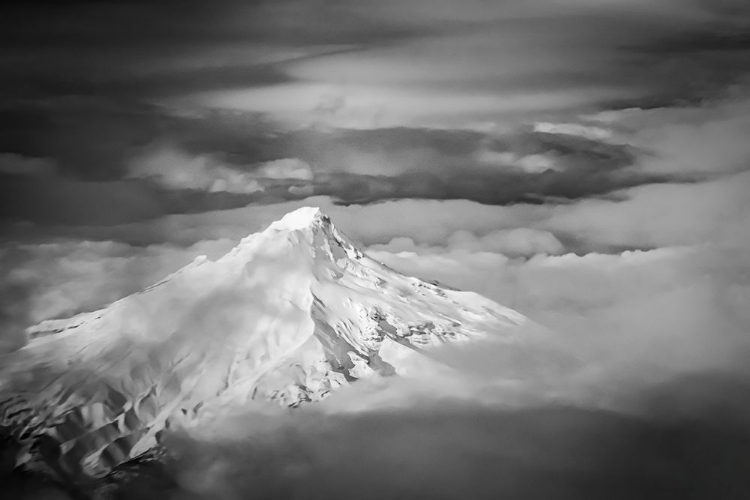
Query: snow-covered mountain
x=290 y=314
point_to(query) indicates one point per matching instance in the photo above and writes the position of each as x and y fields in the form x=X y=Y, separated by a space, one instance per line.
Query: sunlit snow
x=289 y=315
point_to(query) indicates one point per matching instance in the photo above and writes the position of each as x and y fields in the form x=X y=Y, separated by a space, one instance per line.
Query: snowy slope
x=289 y=315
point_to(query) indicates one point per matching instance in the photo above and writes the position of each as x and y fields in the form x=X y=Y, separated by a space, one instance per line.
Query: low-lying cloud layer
x=451 y=449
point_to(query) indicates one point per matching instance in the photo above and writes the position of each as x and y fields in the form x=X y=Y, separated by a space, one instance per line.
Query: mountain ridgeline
x=290 y=315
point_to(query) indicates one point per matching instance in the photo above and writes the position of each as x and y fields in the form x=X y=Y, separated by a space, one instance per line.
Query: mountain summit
x=289 y=315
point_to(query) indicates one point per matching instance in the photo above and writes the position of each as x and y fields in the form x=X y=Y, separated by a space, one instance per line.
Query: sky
x=584 y=162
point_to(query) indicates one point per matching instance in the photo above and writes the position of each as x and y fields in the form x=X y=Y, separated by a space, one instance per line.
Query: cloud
x=60 y=279
x=207 y=154
x=14 y=164
x=510 y=61
x=518 y=242
x=428 y=221
x=637 y=315
x=176 y=170
x=53 y=200
x=532 y=164
x=453 y=450
x=173 y=169
x=287 y=168
x=225 y=153
x=640 y=217
x=87 y=137
x=706 y=139
x=368 y=106
x=587 y=131
x=662 y=215
x=511 y=167
x=302 y=191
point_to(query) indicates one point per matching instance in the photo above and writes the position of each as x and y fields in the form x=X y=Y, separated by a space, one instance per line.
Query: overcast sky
x=583 y=161
x=114 y=112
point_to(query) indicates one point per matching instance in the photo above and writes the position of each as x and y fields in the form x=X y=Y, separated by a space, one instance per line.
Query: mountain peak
x=301 y=218
x=289 y=315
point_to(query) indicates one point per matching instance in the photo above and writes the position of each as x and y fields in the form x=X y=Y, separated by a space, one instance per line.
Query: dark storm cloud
x=66 y=160
x=522 y=167
x=483 y=187
x=88 y=137
x=81 y=80
x=120 y=55
x=96 y=144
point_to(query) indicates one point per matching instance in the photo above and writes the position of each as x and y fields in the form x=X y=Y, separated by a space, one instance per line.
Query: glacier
x=290 y=315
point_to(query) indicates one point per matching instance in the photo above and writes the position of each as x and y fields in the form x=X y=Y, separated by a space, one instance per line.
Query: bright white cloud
x=533 y=164
x=518 y=242
x=287 y=168
x=638 y=314
x=588 y=131
x=662 y=215
x=707 y=139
